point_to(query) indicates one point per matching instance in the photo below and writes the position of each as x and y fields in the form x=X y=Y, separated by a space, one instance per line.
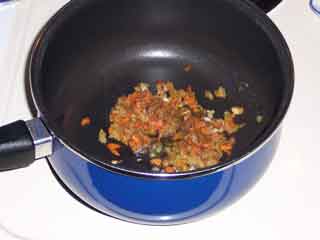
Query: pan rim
x=252 y=11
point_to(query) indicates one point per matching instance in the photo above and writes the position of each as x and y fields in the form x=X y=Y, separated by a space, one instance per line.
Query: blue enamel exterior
x=159 y=202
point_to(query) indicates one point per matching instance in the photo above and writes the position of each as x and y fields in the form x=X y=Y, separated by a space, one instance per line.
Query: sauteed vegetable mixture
x=172 y=127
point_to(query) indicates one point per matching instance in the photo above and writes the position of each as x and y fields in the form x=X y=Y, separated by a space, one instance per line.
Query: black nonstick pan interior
x=93 y=52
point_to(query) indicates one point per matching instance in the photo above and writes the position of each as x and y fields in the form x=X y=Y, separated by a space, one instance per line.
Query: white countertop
x=285 y=204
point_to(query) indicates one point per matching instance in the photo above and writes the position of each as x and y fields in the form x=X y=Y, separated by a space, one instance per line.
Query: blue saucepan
x=93 y=51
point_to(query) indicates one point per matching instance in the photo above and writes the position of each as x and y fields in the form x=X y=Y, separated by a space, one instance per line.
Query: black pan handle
x=21 y=143
x=266 y=5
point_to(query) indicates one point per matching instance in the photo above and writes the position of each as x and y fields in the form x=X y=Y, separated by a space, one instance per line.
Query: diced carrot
x=86 y=121
x=124 y=120
x=195 y=150
x=187 y=68
x=205 y=130
x=205 y=145
x=114 y=148
x=157 y=124
x=136 y=140
x=226 y=147
x=156 y=162
x=199 y=124
x=169 y=169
